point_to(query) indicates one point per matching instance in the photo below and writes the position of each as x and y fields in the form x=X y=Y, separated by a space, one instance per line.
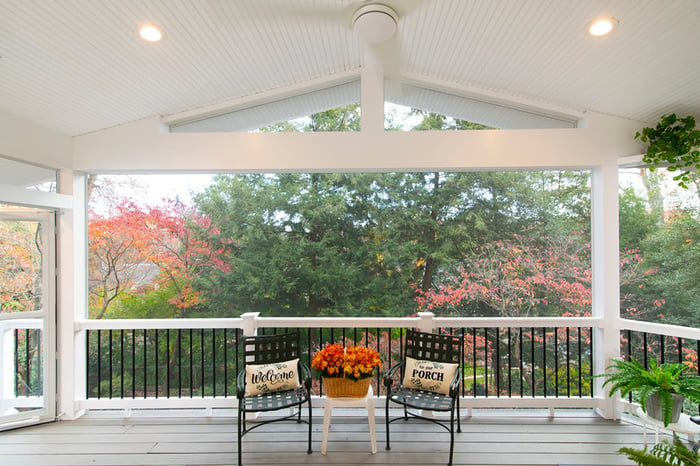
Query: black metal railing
x=28 y=362
x=142 y=363
x=528 y=362
x=496 y=361
x=644 y=346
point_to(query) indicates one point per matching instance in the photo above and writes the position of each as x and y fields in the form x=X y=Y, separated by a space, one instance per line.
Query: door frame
x=45 y=319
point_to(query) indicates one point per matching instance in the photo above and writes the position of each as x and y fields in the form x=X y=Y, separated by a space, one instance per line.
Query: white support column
x=250 y=329
x=250 y=325
x=605 y=254
x=72 y=295
x=372 y=92
x=427 y=322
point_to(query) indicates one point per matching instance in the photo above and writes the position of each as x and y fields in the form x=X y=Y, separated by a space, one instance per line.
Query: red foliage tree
x=20 y=266
x=136 y=249
x=520 y=277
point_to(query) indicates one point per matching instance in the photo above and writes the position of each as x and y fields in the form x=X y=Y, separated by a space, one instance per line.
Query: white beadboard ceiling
x=78 y=66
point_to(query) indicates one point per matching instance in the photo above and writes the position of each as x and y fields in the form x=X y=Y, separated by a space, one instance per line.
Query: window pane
x=27 y=176
x=660 y=248
x=20 y=266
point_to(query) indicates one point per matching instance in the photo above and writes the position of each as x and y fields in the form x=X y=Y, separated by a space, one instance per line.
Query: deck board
x=489 y=437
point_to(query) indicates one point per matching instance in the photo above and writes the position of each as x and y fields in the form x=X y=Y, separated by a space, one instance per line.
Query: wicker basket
x=338 y=387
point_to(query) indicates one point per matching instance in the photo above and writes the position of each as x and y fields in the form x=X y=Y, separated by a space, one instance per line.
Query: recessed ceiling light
x=150 y=33
x=602 y=26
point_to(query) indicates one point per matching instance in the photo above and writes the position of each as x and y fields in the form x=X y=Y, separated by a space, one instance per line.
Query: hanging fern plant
x=674 y=143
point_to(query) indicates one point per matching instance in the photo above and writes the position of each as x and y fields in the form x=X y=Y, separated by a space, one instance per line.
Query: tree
x=318 y=244
x=345 y=118
x=673 y=253
x=139 y=249
x=297 y=243
x=115 y=266
x=20 y=266
x=518 y=277
x=636 y=220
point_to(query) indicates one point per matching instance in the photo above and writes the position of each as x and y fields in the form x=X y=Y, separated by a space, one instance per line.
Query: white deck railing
x=251 y=323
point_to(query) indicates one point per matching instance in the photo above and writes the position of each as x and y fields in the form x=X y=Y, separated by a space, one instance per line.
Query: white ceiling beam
x=274 y=95
x=29 y=197
x=492 y=97
x=141 y=147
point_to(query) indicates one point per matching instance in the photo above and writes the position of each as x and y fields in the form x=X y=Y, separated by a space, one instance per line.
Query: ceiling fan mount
x=375 y=22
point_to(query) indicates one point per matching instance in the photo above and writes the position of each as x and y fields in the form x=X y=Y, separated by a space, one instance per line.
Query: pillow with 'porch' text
x=431 y=376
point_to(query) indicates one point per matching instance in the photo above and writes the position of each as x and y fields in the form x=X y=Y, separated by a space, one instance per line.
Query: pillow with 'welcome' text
x=272 y=377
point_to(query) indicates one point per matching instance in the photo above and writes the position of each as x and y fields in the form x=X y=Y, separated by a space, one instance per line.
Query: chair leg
x=452 y=435
x=459 y=421
x=240 y=435
x=309 y=451
x=386 y=417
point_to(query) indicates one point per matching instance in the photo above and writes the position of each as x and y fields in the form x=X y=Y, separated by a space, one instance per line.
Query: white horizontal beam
x=29 y=197
x=660 y=329
x=140 y=324
x=341 y=322
x=142 y=147
x=230 y=402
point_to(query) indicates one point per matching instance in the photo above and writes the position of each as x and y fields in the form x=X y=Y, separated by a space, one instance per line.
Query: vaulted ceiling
x=78 y=66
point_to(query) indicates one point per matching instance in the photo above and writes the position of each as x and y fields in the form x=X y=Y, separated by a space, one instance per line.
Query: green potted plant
x=655 y=387
x=673 y=143
x=663 y=453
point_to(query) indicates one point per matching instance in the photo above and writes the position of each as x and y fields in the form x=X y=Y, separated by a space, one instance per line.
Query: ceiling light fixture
x=602 y=26
x=375 y=22
x=150 y=33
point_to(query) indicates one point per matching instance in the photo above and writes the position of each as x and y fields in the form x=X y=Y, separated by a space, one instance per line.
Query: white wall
x=23 y=140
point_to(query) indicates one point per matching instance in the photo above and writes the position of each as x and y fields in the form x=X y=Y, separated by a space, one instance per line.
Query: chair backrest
x=271 y=348
x=432 y=346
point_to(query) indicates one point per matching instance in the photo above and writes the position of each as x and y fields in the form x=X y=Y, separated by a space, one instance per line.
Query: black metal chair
x=268 y=350
x=435 y=348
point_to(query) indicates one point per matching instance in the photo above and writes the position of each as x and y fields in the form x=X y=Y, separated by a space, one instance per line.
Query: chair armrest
x=456 y=380
x=389 y=376
x=240 y=384
x=305 y=375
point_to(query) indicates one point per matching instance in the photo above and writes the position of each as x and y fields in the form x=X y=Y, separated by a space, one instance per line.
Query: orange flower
x=354 y=362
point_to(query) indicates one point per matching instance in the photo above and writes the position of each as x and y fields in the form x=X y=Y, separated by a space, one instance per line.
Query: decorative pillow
x=273 y=377
x=431 y=376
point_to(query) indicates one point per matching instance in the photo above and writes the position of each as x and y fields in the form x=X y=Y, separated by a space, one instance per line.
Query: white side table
x=346 y=402
x=683 y=426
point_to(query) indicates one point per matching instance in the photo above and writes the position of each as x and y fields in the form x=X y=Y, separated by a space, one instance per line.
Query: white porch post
x=72 y=296
x=372 y=93
x=605 y=279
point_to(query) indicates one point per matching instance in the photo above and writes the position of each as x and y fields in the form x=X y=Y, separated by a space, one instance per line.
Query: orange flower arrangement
x=353 y=362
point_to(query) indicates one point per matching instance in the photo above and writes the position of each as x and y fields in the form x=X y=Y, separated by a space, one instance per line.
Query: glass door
x=27 y=316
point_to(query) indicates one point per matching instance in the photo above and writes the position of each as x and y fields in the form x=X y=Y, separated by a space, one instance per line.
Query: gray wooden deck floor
x=494 y=437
